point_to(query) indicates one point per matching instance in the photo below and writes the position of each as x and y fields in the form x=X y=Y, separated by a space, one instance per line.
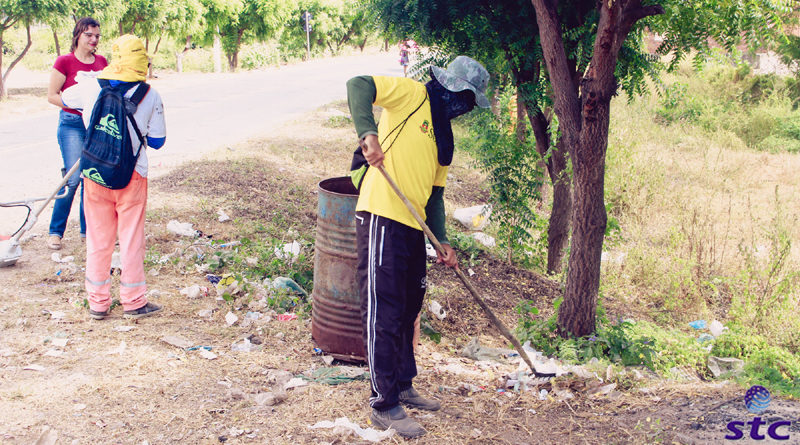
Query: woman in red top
x=81 y=61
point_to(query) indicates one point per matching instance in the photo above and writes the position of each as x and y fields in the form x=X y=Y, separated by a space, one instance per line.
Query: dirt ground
x=79 y=380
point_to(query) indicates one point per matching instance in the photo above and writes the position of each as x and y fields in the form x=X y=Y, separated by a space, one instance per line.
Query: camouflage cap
x=465 y=73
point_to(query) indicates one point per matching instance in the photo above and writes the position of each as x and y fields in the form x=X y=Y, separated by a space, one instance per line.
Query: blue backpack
x=108 y=157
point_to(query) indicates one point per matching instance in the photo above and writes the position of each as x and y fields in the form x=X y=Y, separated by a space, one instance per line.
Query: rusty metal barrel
x=336 y=313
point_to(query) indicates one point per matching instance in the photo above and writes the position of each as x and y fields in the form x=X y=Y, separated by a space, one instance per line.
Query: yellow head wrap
x=128 y=60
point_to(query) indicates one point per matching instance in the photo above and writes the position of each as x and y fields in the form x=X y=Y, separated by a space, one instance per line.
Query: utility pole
x=307 y=26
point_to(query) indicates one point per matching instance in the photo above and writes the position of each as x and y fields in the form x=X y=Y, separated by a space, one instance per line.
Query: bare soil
x=117 y=381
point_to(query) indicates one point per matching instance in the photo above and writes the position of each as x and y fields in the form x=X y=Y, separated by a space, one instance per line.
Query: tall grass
x=703 y=180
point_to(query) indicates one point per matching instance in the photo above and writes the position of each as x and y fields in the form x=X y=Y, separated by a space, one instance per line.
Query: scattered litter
x=205 y=313
x=327 y=359
x=286 y=317
x=124 y=328
x=206 y=354
x=231 y=318
x=222 y=216
x=213 y=279
x=289 y=251
x=53 y=353
x=430 y=251
x=725 y=366
x=228 y=284
x=698 y=324
x=56 y=257
x=603 y=390
x=177 y=341
x=60 y=342
x=703 y=338
x=34 y=367
x=57 y=315
x=116 y=262
x=252 y=315
x=542 y=394
x=153 y=272
x=243 y=345
x=470 y=272
x=437 y=310
x=285 y=283
x=270 y=398
x=336 y=375
x=475 y=217
x=317 y=351
x=484 y=239
x=368 y=434
x=475 y=351
x=295 y=382
x=230 y=244
x=194 y=291
x=716 y=328
x=183 y=229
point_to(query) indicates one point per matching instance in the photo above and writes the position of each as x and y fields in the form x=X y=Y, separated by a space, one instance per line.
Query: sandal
x=54 y=242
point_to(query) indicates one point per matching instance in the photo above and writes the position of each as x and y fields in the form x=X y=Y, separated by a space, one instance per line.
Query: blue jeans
x=71 y=134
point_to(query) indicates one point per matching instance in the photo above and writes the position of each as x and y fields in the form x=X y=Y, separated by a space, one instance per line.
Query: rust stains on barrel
x=336 y=313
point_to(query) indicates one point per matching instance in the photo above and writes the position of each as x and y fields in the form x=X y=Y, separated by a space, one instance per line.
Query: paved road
x=204 y=112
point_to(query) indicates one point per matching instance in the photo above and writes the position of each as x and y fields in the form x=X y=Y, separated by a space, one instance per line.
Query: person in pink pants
x=119 y=214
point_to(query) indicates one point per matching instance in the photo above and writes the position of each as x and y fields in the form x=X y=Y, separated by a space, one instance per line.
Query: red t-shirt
x=69 y=65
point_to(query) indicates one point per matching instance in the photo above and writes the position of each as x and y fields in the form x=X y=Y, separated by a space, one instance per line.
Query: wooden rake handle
x=496 y=321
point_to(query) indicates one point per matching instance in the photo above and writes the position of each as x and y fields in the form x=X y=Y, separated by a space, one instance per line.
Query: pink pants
x=112 y=213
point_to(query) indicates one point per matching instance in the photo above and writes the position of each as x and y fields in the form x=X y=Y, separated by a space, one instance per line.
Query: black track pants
x=391 y=273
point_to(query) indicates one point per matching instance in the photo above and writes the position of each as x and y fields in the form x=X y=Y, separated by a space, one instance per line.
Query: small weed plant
x=511 y=165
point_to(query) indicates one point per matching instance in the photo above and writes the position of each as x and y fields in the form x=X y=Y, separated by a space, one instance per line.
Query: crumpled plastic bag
x=183 y=229
x=368 y=434
x=475 y=217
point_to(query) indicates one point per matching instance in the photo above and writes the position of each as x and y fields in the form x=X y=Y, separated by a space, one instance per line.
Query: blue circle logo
x=757 y=399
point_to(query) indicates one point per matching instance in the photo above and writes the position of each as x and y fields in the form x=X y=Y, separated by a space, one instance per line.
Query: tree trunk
x=4 y=77
x=55 y=40
x=584 y=118
x=179 y=55
x=217 y=53
x=363 y=44
x=560 y=214
x=3 y=93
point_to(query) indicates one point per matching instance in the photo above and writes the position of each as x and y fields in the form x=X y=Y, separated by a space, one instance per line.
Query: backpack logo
x=94 y=175
x=108 y=125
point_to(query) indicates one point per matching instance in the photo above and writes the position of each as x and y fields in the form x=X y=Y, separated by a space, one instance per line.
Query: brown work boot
x=412 y=399
x=397 y=419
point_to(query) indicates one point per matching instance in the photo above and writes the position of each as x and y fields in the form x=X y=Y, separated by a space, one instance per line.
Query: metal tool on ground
x=10 y=251
x=493 y=318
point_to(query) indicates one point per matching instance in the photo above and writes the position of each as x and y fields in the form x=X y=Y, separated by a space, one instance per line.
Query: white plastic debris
x=484 y=239
x=231 y=318
x=437 y=310
x=60 y=342
x=242 y=345
x=192 y=291
x=222 y=216
x=182 y=229
x=430 y=251
x=368 y=434
x=206 y=354
x=716 y=328
x=295 y=382
x=475 y=217
x=116 y=263
x=289 y=251
x=470 y=272
x=56 y=257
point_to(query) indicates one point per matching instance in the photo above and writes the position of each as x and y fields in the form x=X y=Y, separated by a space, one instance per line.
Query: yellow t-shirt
x=411 y=159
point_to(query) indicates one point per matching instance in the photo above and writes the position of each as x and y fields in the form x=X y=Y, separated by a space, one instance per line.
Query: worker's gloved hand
x=372 y=150
x=448 y=258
